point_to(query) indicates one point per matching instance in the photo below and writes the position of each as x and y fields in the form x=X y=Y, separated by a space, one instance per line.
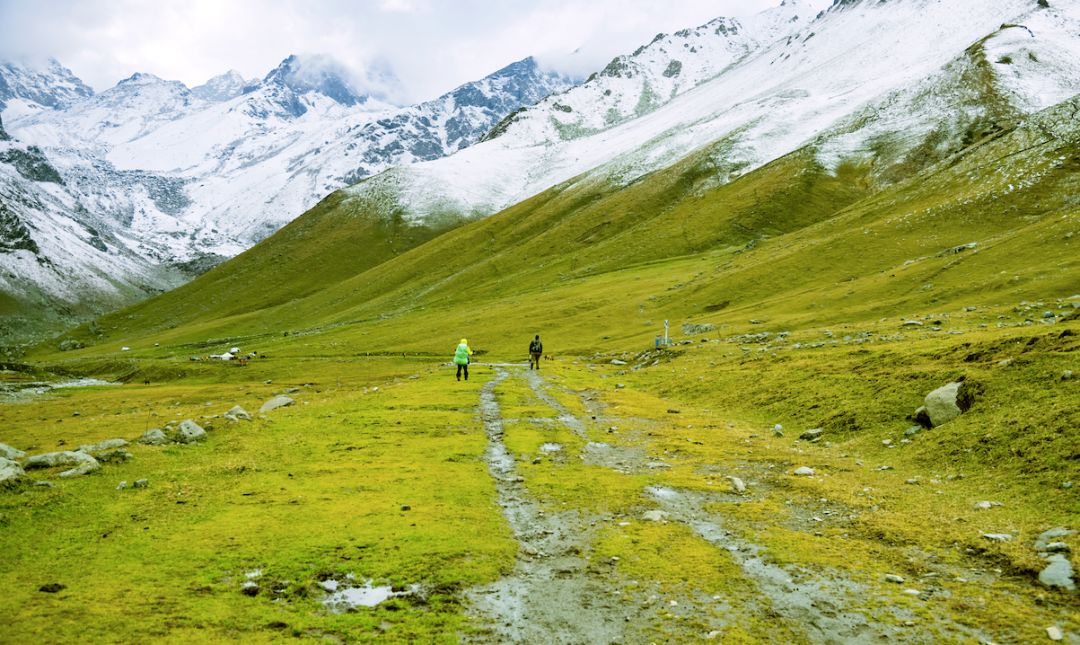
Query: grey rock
x=778 y=430
x=737 y=484
x=616 y=361
x=892 y=577
x=619 y=386
x=14 y=454
x=997 y=537
x=1056 y=547
x=237 y=413
x=947 y=402
x=80 y=460
x=10 y=472
x=813 y=434
x=654 y=516
x=1059 y=573
x=804 y=471
x=1053 y=535
x=103 y=446
x=986 y=505
x=154 y=437
x=250 y=588
x=190 y=432
x=141 y=483
x=275 y=403
x=1049 y=314
x=912 y=431
x=1054 y=633
x=122 y=485
x=42 y=483
x=1067 y=375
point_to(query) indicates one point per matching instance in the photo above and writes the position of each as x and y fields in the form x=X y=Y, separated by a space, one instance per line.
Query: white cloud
x=431 y=45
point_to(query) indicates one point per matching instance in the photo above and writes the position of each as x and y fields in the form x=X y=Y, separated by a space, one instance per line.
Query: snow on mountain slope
x=852 y=59
x=170 y=177
x=222 y=88
x=54 y=86
x=253 y=166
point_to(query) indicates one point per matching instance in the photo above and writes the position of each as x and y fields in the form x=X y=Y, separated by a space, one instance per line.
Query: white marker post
x=667 y=339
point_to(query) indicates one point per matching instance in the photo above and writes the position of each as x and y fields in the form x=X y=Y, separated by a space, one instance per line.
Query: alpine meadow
x=807 y=284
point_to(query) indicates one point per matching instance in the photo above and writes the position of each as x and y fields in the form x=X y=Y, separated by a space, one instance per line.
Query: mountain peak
x=50 y=85
x=319 y=74
x=222 y=87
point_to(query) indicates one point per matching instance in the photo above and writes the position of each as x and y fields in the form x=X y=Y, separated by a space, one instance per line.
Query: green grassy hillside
x=592 y=500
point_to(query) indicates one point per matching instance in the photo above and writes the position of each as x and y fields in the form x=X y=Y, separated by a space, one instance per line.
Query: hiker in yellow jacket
x=461 y=359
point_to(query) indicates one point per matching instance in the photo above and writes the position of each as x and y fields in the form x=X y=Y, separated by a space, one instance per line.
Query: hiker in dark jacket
x=536 y=348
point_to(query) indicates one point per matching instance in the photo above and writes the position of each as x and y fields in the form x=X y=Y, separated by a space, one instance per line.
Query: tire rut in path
x=552 y=595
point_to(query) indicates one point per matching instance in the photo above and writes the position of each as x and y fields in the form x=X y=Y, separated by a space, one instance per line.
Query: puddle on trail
x=343 y=599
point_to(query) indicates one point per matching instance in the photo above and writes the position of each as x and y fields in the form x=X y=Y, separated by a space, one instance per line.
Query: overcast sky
x=432 y=45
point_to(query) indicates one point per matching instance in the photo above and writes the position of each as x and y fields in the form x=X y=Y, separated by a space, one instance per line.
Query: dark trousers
x=534 y=360
x=463 y=368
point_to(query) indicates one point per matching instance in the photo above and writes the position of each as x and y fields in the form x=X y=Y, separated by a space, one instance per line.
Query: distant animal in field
x=549 y=357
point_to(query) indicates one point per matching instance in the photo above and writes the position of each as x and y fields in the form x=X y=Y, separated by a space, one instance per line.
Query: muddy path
x=557 y=594
x=551 y=596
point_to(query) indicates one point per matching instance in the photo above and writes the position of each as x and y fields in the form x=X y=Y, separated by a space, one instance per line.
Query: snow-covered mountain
x=865 y=80
x=53 y=86
x=171 y=177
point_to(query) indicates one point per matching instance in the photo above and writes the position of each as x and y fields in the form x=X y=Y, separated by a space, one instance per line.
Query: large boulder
x=14 y=454
x=275 y=403
x=948 y=402
x=154 y=437
x=82 y=462
x=10 y=472
x=189 y=432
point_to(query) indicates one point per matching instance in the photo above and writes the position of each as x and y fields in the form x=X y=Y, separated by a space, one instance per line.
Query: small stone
x=1054 y=633
x=616 y=361
x=985 y=505
x=141 y=483
x=619 y=386
x=237 y=413
x=778 y=430
x=154 y=437
x=654 y=516
x=52 y=587
x=250 y=588
x=673 y=411
x=912 y=592
x=1049 y=314
x=122 y=485
x=737 y=484
x=1056 y=547
x=803 y=471
x=997 y=537
x=1052 y=535
x=886 y=442
x=813 y=434
x=912 y=431
x=892 y=577
x=1066 y=485
x=1067 y=375
x=406 y=507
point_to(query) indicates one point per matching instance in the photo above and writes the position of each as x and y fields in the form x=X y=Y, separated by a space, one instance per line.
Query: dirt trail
x=551 y=596
x=554 y=595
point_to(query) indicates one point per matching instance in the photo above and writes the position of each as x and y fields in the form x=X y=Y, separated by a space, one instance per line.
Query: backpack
x=536 y=347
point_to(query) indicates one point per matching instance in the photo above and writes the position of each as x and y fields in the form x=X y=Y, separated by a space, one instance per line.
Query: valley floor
x=649 y=499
